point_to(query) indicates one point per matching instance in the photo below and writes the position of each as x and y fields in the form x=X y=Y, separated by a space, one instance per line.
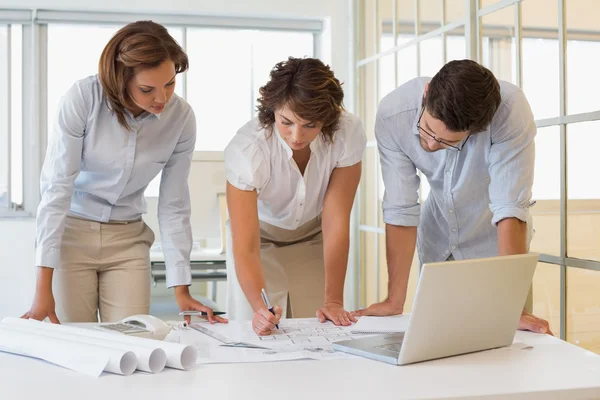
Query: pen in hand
x=265 y=298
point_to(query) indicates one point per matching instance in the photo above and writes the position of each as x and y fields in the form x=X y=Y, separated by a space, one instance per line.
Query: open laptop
x=460 y=307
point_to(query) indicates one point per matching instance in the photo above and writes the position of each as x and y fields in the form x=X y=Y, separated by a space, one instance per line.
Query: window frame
x=35 y=77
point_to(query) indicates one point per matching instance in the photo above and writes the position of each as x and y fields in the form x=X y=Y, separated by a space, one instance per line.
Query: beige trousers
x=294 y=269
x=105 y=267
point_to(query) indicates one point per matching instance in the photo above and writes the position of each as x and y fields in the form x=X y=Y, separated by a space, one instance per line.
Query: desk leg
x=214 y=291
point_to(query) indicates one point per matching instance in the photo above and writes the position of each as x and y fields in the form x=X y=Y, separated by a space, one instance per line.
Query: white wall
x=17 y=273
x=17 y=236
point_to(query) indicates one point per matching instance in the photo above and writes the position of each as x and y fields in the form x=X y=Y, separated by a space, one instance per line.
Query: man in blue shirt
x=472 y=137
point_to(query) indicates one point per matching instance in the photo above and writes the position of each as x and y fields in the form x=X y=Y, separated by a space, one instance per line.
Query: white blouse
x=287 y=199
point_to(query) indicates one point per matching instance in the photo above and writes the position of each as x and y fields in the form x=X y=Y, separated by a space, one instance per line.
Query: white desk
x=551 y=370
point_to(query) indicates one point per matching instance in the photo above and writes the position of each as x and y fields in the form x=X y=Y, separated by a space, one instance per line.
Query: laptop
x=459 y=307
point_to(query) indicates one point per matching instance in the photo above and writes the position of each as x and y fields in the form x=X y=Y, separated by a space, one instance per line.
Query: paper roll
x=81 y=357
x=179 y=356
x=149 y=359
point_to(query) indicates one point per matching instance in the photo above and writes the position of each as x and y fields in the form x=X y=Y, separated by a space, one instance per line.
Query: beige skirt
x=294 y=270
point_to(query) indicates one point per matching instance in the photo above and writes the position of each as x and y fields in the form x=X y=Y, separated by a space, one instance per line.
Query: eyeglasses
x=426 y=134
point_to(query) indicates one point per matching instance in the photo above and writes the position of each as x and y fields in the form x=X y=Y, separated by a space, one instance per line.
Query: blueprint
x=302 y=338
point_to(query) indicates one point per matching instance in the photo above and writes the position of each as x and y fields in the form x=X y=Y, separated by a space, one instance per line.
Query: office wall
x=17 y=236
x=17 y=274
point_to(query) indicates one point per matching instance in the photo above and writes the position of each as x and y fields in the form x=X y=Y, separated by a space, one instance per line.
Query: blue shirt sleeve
x=511 y=160
x=61 y=167
x=401 y=199
x=174 y=208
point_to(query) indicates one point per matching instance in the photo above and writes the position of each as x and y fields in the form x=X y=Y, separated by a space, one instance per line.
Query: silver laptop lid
x=466 y=306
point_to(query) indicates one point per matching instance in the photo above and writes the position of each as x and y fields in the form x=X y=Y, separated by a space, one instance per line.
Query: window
x=4 y=111
x=227 y=68
x=521 y=45
x=89 y=40
x=65 y=68
x=11 y=137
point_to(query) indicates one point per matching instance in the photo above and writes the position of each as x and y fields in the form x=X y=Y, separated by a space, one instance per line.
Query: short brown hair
x=309 y=88
x=141 y=44
x=464 y=95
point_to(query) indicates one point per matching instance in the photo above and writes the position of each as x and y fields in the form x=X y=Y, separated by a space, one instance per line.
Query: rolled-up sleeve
x=174 y=209
x=61 y=167
x=401 y=200
x=512 y=159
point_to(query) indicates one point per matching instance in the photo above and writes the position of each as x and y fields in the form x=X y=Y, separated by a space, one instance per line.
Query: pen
x=200 y=313
x=265 y=298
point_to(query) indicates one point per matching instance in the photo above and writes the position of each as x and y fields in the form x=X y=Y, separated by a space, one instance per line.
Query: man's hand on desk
x=530 y=322
x=335 y=313
x=186 y=302
x=384 y=308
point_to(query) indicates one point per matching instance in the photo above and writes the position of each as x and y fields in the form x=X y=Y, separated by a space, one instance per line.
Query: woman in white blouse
x=114 y=132
x=292 y=176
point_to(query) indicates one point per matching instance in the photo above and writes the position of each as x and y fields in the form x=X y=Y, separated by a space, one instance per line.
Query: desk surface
x=552 y=369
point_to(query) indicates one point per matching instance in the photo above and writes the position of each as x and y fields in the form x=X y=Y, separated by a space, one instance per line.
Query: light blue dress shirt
x=98 y=170
x=471 y=190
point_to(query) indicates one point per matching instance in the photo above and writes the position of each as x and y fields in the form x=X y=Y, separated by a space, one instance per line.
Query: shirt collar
x=145 y=114
x=414 y=127
x=315 y=145
x=286 y=147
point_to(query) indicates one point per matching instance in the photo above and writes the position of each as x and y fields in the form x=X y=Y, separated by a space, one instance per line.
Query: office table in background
x=206 y=265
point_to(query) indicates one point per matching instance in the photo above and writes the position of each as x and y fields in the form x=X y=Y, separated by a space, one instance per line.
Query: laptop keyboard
x=395 y=346
x=391 y=347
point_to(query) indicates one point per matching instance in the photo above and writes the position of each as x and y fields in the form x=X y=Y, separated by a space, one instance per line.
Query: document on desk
x=381 y=325
x=302 y=338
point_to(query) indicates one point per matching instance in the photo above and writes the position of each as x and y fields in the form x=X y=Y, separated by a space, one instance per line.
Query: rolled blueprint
x=81 y=357
x=179 y=356
x=149 y=359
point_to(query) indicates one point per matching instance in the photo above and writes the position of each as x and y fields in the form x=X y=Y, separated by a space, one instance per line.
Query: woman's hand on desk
x=186 y=302
x=264 y=321
x=42 y=307
x=43 y=302
x=335 y=313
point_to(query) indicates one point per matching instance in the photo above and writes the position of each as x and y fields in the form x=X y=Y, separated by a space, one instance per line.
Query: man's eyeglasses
x=425 y=134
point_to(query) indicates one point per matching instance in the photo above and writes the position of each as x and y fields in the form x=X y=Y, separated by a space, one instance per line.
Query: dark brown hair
x=464 y=95
x=141 y=44
x=309 y=88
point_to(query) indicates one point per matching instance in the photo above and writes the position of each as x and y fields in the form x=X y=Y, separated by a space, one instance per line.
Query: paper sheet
x=379 y=325
x=305 y=338
x=219 y=355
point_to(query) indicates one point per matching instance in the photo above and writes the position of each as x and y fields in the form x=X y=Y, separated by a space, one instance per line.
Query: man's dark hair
x=464 y=95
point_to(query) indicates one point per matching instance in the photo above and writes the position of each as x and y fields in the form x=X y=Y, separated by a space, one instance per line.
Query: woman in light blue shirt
x=113 y=133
